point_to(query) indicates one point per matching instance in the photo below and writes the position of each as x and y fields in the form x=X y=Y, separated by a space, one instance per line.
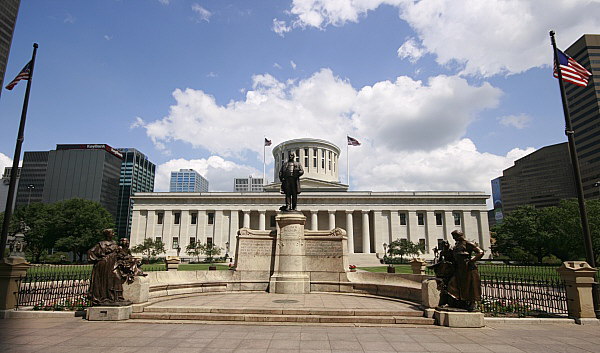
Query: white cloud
x=412 y=131
x=211 y=74
x=277 y=66
x=164 y=2
x=5 y=161
x=485 y=37
x=202 y=13
x=218 y=171
x=69 y=18
x=280 y=27
x=293 y=64
x=107 y=37
x=411 y=50
x=520 y=121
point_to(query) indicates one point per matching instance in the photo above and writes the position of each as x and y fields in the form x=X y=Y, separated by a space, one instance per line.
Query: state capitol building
x=369 y=218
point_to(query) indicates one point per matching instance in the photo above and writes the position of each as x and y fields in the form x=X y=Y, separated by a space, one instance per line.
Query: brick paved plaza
x=78 y=335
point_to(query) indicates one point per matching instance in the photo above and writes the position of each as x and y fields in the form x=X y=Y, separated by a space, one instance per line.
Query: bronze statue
x=127 y=265
x=290 y=174
x=106 y=286
x=457 y=273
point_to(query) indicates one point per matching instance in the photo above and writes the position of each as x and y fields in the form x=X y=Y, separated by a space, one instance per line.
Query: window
x=329 y=160
x=176 y=217
x=194 y=218
x=402 y=219
x=159 y=217
x=422 y=243
x=439 y=243
x=323 y=159
x=272 y=221
x=298 y=155
x=209 y=242
x=420 y=219
x=192 y=240
x=315 y=156
x=158 y=239
x=456 y=216
x=175 y=242
x=438 y=219
x=306 y=157
x=211 y=218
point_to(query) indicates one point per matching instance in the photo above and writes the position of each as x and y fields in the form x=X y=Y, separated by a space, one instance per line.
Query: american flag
x=23 y=75
x=352 y=141
x=268 y=142
x=571 y=70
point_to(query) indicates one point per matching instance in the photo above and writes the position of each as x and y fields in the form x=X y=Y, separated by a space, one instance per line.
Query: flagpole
x=16 y=157
x=264 y=164
x=348 y=162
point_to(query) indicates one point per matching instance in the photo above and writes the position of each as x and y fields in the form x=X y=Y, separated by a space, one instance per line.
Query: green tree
x=405 y=247
x=150 y=248
x=210 y=250
x=77 y=225
x=38 y=218
x=193 y=249
x=523 y=235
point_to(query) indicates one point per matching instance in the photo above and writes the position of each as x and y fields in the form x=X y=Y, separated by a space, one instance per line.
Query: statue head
x=108 y=233
x=292 y=156
x=458 y=235
x=124 y=242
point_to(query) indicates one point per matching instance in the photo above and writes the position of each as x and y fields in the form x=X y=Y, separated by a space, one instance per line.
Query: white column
x=218 y=229
x=314 y=220
x=430 y=236
x=366 y=238
x=350 y=232
x=261 y=220
x=449 y=225
x=412 y=226
x=331 y=219
x=380 y=230
x=484 y=231
x=246 y=219
x=136 y=225
x=233 y=228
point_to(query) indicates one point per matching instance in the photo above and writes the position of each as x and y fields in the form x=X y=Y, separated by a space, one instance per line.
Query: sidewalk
x=78 y=335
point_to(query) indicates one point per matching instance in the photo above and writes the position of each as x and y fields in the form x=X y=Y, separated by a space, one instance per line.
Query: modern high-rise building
x=137 y=175
x=89 y=172
x=541 y=179
x=33 y=175
x=584 y=106
x=248 y=184
x=188 y=180
x=4 y=184
x=8 y=17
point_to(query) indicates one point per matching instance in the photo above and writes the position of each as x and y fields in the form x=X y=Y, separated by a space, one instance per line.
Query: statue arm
x=300 y=170
x=472 y=247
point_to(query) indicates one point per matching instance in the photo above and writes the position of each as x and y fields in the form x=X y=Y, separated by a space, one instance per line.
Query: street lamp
x=597 y=184
x=30 y=187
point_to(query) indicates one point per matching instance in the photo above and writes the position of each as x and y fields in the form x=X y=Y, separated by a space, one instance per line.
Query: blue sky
x=443 y=94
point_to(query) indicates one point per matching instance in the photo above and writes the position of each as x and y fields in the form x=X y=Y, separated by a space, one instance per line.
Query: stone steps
x=355 y=316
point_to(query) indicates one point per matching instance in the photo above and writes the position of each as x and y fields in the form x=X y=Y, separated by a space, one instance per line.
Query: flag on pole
x=268 y=142
x=352 y=141
x=23 y=75
x=571 y=70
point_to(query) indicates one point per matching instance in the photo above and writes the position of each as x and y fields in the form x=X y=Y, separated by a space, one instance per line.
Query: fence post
x=579 y=278
x=11 y=270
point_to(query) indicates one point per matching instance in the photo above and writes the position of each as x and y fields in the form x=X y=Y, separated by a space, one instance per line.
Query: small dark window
x=456 y=216
x=438 y=219
x=272 y=221
x=209 y=242
x=422 y=243
x=175 y=242
x=160 y=216
x=402 y=219
x=439 y=245
x=158 y=239
x=315 y=158
x=176 y=218
x=420 y=219
x=194 y=218
x=192 y=240
x=211 y=218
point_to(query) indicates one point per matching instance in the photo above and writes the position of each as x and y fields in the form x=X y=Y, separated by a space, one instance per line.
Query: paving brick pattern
x=78 y=335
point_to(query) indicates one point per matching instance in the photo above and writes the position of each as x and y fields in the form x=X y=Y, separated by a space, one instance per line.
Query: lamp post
x=597 y=184
x=30 y=187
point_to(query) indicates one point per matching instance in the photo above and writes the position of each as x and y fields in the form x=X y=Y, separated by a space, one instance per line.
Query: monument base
x=458 y=319
x=108 y=313
x=289 y=284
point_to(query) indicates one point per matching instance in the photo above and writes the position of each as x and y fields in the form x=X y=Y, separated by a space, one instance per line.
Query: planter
x=212 y=268
x=391 y=269
x=352 y=270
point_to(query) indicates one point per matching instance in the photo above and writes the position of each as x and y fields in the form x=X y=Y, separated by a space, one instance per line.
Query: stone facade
x=369 y=218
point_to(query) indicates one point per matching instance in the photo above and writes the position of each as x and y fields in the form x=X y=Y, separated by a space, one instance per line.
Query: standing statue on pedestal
x=290 y=174
x=458 y=277
x=106 y=285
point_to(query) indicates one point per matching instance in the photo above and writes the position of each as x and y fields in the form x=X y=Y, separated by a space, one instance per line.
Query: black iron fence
x=522 y=290
x=55 y=287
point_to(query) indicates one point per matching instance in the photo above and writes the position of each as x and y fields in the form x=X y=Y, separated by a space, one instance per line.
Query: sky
x=442 y=94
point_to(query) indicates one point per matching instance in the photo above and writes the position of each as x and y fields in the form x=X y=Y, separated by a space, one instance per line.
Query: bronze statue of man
x=290 y=174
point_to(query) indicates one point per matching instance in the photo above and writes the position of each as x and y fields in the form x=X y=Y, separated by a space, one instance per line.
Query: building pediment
x=311 y=184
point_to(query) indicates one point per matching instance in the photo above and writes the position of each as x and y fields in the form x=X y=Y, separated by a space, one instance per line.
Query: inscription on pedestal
x=256 y=248
x=324 y=248
x=292 y=230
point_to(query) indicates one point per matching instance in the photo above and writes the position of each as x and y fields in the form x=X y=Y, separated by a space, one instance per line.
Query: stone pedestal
x=418 y=266
x=430 y=294
x=108 y=313
x=289 y=276
x=579 y=278
x=458 y=319
x=138 y=291
x=172 y=263
x=11 y=270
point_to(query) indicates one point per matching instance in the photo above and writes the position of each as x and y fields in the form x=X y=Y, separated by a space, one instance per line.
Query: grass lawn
x=399 y=269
